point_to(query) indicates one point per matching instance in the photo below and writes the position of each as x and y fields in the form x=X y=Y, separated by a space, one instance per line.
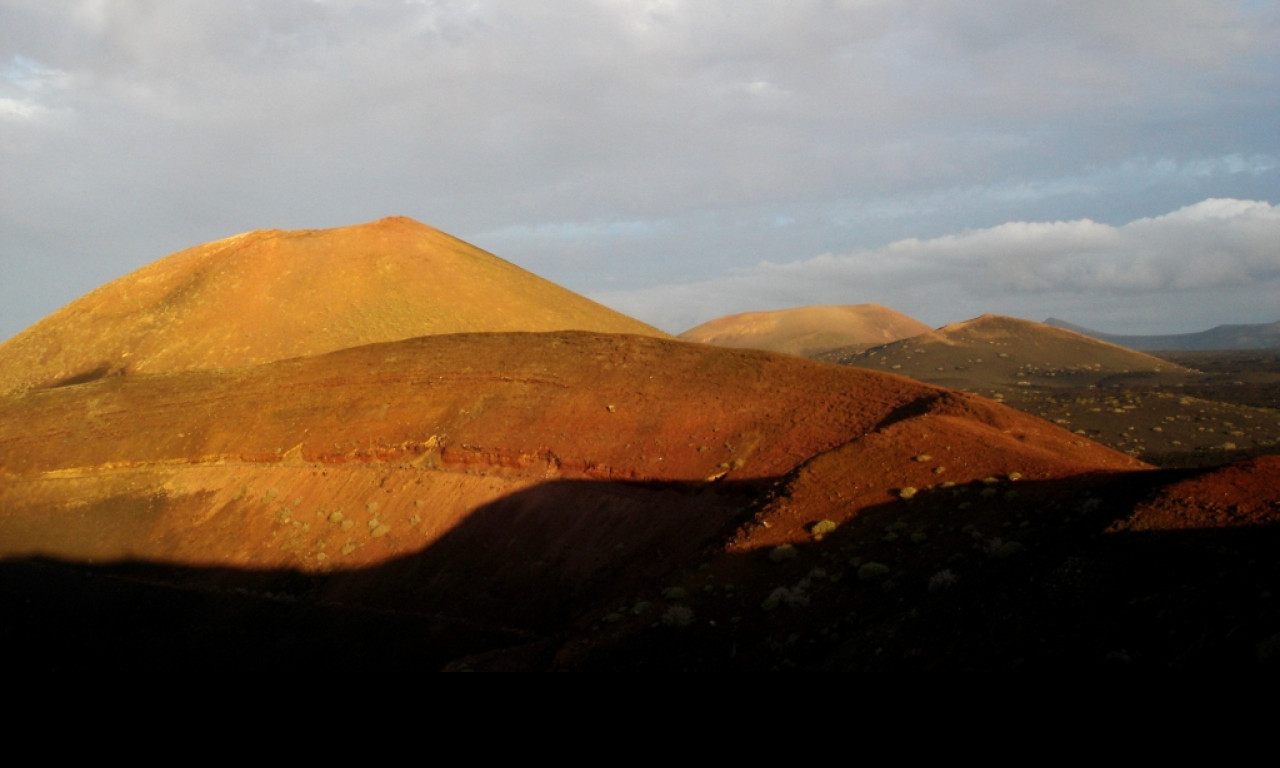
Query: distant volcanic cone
x=1006 y=351
x=272 y=295
x=808 y=331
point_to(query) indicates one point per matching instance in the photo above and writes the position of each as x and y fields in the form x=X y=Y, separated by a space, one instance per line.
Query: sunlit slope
x=440 y=412
x=807 y=331
x=272 y=295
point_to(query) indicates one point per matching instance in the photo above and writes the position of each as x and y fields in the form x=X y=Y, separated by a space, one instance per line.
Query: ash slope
x=272 y=295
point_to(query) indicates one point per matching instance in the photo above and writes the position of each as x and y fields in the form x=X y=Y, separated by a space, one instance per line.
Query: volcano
x=808 y=331
x=994 y=350
x=271 y=295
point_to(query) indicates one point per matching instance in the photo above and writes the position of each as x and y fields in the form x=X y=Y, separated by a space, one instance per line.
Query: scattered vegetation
x=941 y=580
x=821 y=528
x=873 y=571
x=783 y=552
x=677 y=616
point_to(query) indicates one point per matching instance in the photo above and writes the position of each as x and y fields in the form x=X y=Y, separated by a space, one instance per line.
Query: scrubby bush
x=822 y=528
x=872 y=571
x=677 y=616
x=942 y=580
x=789 y=596
x=783 y=552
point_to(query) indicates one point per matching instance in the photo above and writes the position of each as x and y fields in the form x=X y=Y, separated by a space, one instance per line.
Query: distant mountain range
x=1222 y=337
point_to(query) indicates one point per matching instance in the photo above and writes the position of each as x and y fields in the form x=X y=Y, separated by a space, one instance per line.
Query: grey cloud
x=611 y=144
x=1043 y=268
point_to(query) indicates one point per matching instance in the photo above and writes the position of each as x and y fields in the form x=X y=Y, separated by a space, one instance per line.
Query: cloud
x=623 y=144
x=21 y=110
x=1201 y=252
x=30 y=75
x=1211 y=244
x=31 y=84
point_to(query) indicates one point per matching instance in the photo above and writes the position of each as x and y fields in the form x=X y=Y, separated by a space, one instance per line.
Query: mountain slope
x=993 y=350
x=272 y=295
x=561 y=466
x=583 y=500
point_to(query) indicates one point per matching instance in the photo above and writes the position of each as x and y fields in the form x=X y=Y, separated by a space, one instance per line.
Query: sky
x=1115 y=164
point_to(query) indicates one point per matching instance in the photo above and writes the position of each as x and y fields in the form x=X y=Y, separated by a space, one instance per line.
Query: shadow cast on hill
x=1033 y=583
x=515 y=571
x=590 y=575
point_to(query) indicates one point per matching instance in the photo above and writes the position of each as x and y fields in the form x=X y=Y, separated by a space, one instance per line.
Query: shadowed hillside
x=1074 y=574
x=510 y=482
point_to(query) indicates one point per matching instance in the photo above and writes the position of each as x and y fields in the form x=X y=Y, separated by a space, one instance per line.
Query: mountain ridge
x=1001 y=350
x=1225 y=337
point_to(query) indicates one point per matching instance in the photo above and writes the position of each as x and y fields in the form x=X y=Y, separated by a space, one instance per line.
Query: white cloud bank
x=1212 y=262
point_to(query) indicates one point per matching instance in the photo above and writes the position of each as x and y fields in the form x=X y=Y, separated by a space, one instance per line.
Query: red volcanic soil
x=1240 y=495
x=514 y=477
x=516 y=408
x=534 y=500
x=808 y=331
x=271 y=295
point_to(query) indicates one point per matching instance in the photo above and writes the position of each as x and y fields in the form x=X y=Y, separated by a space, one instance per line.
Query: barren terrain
x=1173 y=409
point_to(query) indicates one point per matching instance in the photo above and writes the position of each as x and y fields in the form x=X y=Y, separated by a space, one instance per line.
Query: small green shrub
x=941 y=580
x=822 y=528
x=1007 y=549
x=783 y=552
x=677 y=616
x=873 y=571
